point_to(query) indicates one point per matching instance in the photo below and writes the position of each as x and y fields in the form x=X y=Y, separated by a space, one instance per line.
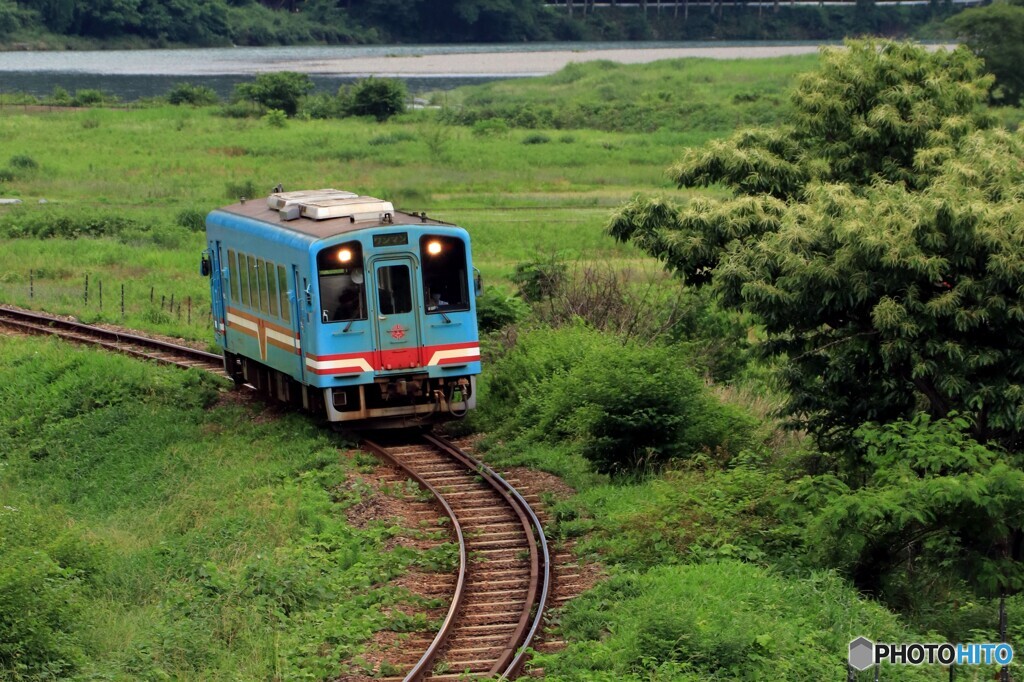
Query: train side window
x=271 y=276
x=254 y=283
x=233 y=273
x=394 y=291
x=445 y=273
x=342 y=290
x=243 y=273
x=261 y=269
x=282 y=286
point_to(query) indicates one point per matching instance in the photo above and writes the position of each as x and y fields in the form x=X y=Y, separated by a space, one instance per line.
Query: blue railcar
x=340 y=304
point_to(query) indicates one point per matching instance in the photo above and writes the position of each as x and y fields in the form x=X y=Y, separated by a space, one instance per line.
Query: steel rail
x=513 y=657
x=426 y=661
x=42 y=323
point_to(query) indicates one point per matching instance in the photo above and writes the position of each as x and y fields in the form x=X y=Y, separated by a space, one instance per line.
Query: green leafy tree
x=381 y=98
x=281 y=90
x=937 y=504
x=107 y=18
x=877 y=238
x=185 y=21
x=13 y=17
x=996 y=34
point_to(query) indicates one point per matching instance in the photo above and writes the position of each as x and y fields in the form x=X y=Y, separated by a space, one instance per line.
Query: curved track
x=503 y=582
x=504 y=572
x=131 y=344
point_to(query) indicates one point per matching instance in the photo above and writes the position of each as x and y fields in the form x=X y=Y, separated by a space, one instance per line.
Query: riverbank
x=531 y=63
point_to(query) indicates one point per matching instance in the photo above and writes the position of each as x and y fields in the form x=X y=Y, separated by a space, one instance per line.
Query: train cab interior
x=445 y=279
x=342 y=283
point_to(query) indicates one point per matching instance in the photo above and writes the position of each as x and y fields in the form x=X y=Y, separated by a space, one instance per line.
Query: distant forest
x=40 y=24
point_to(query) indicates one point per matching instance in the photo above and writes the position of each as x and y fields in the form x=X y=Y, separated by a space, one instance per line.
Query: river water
x=131 y=74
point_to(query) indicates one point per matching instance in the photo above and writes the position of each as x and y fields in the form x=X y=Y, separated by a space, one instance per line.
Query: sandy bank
x=522 y=63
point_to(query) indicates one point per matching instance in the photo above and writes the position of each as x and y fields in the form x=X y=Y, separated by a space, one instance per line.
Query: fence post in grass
x=86 y=293
x=172 y=303
x=122 y=301
x=177 y=313
x=162 y=301
x=101 y=294
x=151 y=295
x=190 y=310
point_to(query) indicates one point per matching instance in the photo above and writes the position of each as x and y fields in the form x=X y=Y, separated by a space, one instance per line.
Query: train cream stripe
x=241 y=321
x=289 y=341
x=470 y=354
x=347 y=363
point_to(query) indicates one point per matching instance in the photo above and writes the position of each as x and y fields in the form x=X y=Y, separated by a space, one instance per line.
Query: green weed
x=147 y=532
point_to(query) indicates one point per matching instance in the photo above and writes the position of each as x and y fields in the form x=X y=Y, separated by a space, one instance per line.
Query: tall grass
x=684 y=95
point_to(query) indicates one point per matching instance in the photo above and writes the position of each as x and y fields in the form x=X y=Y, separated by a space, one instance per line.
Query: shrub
x=633 y=408
x=722 y=620
x=626 y=407
x=280 y=90
x=490 y=127
x=540 y=279
x=391 y=138
x=322 y=106
x=538 y=355
x=60 y=96
x=89 y=97
x=23 y=162
x=275 y=118
x=536 y=138
x=39 y=612
x=381 y=98
x=495 y=309
x=238 y=110
x=44 y=224
x=195 y=95
x=191 y=219
x=243 y=188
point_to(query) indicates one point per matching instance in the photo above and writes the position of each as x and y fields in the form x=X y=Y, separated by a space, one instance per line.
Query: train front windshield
x=445 y=277
x=341 y=278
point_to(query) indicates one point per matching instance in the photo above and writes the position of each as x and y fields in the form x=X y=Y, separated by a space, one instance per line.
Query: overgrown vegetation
x=148 y=532
x=867 y=240
x=736 y=547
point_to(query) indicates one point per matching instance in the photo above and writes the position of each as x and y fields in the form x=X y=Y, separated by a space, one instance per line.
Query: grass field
x=150 y=530
x=136 y=183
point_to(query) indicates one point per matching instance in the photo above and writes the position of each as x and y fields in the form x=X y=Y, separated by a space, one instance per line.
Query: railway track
x=30 y=322
x=504 y=576
x=503 y=581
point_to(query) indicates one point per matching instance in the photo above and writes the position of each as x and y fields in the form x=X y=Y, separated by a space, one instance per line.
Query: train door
x=397 y=324
x=299 y=305
x=218 y=289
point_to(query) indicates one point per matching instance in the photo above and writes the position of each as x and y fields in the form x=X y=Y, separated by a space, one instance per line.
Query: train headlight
x=434 y=248
x=345 y=255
